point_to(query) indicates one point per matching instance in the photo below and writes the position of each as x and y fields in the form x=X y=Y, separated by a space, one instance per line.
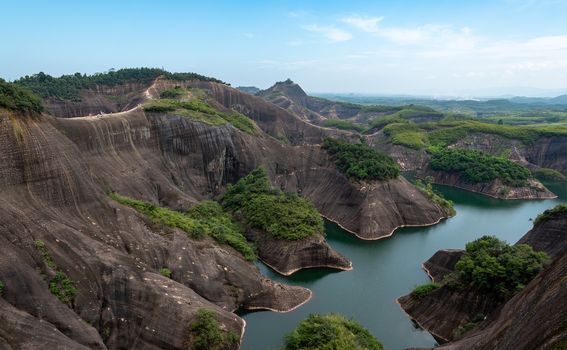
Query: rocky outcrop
x=508 y=324
x=442 y=263
x=549 y=235
x=496 y=189
x=549 y=152
x=54 y=175
x=533 y=319
x=287 y=257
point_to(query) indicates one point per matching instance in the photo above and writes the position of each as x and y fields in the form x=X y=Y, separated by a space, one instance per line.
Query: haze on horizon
x=482 y=48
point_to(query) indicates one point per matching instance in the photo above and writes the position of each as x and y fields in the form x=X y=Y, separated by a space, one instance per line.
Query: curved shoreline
x=290 y=272
x=435 y=335
x=392 y=232
x=260 y=308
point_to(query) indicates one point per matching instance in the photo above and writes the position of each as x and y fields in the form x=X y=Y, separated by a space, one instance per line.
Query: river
x=389 y=268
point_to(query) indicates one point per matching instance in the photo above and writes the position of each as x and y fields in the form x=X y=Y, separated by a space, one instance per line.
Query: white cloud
x=366 y=24
x=295 y=14
x=332 y=33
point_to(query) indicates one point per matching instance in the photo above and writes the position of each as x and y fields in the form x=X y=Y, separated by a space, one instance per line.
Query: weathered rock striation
x=287 y=257
x=526 y=321
x=54 y=177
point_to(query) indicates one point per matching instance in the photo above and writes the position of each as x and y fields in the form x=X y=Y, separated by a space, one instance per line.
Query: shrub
x=475 y=166
x=16 y=98
x=550 y=213
x=360 y=162
x=175 y=92
x=424 y=289
x=42 y=249
x=333 y=331
x=205 y=218
x=63 y=288
x=2 y=288
x=427 y=188
x=206 y=334
x=491 y=265
x=165 y=272
x=202 y=112
x=283 y=215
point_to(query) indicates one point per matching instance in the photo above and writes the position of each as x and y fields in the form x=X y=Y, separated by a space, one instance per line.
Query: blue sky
x=389 y=47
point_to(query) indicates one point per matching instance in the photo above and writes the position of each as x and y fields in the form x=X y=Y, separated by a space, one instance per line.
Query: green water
x=389 y=268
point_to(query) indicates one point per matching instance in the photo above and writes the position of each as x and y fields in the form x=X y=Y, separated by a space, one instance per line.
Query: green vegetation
x=206 y=218
x=491 y=265
x=425 y=289
x=165 y=272
x=475 y=166
x=42 y=249
x=68 y=87
x=60 y=285
x=427 y=188
x=550 y=213
x=63 y=288
x=174 y=92
x=548 y=174
x=219 y=224
x=406 y=134
x=360 y=162
x=453 y=129
x=206 y=333
x=202 y=112
x=344 y=125
x=330 y=332
x=464 y=329
x=2 y=288
x=16 y=98
x=284 y=215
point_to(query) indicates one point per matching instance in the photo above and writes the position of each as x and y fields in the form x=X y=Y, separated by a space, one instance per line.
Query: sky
x=423 y=47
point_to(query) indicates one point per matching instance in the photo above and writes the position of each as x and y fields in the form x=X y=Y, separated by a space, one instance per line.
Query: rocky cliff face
x=533 y=319
x=287 y=257
x=54 y=176
x=527 y=321
x=53 y=187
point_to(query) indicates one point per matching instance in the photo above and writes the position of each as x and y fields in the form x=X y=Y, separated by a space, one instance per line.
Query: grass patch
x=332 y=331
x=361 y=162
x=476 y=167
x=165 y=272
x=202 y=112
x=551 y=213
x=406 y=134
x=284 y=215
x=206 y=333
x=60 y=285
x=344 y=125
x=204 y=219
x=46 y=256
x=424 y=289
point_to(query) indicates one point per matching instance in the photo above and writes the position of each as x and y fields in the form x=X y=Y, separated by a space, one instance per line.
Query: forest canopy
x=360 y=162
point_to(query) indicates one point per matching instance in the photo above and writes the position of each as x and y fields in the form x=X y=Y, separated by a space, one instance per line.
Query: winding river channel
x=389 y=268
